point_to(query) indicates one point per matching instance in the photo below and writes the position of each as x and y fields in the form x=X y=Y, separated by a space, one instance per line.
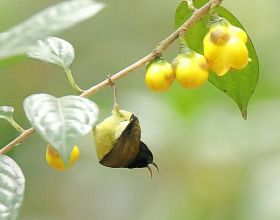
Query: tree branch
x=162 y=46
x=24 y=135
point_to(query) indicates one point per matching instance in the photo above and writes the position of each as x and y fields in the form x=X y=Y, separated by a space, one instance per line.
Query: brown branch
x=17 y=140
x=162 y=46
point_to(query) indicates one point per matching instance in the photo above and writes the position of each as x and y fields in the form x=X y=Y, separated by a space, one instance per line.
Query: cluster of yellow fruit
x=224 y=49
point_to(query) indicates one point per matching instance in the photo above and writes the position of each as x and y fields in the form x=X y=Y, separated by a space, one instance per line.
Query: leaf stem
x=162 y=46
x=72 y=81
x=16 y=125
x=183 y=46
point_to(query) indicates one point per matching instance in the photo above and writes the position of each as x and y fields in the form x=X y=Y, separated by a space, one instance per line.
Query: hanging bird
x=118 y=144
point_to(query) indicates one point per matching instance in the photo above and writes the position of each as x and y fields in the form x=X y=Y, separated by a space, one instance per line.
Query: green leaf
x=6 y=112
x=20 y=39
x=238 y=84
x=54 y=50
x=197 y=31
x=61 y=121
x=12 y=184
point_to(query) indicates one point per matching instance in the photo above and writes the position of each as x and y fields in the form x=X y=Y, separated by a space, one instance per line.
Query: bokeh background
x=213 y=164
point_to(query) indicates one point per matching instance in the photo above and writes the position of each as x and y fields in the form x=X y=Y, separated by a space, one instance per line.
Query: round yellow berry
x=55 y=161
x=159 y=75
x=190 y=69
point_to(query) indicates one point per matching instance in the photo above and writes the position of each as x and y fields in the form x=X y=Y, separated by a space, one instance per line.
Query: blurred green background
x=213 y=164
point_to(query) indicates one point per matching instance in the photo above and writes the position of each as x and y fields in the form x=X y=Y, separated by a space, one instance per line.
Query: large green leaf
x=12 y=184
x=61 y=121
x=238 y=84
x=19 y=39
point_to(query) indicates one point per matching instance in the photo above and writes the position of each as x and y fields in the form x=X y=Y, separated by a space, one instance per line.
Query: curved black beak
x=150 y=169
x=155 y=165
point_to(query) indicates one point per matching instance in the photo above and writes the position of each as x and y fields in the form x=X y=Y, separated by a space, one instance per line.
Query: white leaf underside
x=61 y=121
x=53 y=50
x=12 y=184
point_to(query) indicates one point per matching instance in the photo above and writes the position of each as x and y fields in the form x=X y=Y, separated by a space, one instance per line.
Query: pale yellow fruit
x=159 y=75
x=238 y=57
x=55 y=161
x=241 y=34
x=190 y=69
x=225 y=48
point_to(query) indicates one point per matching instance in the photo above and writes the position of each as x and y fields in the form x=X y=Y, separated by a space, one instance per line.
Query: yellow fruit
x=225 y=48
x=241 y=34
x=211 y=50
x=219 y=68
x=55 y=161
x=238 y=54
x=159 y=75
x=219 y=36
x=190 y=69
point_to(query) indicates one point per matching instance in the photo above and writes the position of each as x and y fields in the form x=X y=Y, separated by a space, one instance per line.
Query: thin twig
x=162 y=46
x=197 y=15
x=24 y=135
